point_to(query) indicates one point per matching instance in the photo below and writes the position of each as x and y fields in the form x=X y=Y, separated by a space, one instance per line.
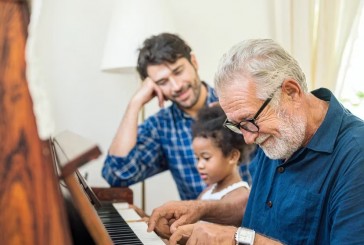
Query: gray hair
x=263 y=60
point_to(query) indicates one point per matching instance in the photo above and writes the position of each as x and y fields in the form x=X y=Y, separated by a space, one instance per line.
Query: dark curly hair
x=159 y=49
x=209 y=124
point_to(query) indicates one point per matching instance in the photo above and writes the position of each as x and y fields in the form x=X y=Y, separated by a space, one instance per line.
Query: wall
x=70 y=39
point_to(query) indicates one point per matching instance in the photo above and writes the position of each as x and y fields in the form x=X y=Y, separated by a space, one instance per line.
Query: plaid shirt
x=164 y=142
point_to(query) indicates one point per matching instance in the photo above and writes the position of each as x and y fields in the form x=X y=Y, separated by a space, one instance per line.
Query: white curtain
x=315 y=32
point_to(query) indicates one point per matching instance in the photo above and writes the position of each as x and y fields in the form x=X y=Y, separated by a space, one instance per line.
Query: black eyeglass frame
x=236 y=127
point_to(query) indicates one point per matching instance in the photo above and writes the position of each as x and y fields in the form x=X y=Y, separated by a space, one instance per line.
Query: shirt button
x=269 y=204
x=281 y=169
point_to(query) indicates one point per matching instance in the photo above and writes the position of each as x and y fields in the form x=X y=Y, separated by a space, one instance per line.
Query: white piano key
x=128 y=214
x=139 y=227
x=150 y=238
x=121 y=205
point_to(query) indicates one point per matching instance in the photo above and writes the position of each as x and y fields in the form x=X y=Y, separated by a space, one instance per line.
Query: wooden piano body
x=32 y=206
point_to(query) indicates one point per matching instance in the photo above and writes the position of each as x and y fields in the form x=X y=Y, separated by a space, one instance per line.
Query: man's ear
x=291 y=88
x=194 y=61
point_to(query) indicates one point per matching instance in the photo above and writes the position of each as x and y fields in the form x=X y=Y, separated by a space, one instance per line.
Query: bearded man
x=308 y=173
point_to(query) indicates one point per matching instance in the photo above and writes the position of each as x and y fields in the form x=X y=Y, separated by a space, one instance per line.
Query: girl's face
x=212 y=165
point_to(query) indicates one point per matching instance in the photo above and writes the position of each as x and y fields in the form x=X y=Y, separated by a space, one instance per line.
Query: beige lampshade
x=132 y=21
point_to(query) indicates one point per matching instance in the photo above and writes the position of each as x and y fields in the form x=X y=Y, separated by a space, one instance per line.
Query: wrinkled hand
x=148 y=91
x=173 y=214
x=162 y=228
x=203 y=234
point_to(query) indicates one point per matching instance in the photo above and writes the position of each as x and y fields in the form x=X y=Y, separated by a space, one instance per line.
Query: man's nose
x=176 y=85
x=249 y=137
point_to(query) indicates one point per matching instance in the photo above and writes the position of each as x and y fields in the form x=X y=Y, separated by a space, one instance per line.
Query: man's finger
x=177 y=223
x=162 y=228
x=160 y=96
x=153 y=219
x=183 y=233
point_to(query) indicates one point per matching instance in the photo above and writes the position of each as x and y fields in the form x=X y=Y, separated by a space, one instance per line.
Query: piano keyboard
x=124 y=227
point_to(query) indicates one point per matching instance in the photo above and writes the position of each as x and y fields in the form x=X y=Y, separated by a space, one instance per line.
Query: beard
x=292 y=134
x=196 y=91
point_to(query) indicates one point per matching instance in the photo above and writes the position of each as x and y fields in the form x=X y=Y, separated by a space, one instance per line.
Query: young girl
x=219 y=151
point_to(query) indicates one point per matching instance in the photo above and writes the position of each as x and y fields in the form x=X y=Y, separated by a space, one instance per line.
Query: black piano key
x=117 y=228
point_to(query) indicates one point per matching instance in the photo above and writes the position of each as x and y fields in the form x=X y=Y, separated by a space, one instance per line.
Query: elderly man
x=308 y=180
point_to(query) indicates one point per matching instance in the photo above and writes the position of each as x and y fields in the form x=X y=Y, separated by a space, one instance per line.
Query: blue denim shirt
x=164 y=142
x=317 y=196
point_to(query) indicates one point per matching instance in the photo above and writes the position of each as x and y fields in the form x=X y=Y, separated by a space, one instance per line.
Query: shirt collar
x=324 y=138
x=211 y=94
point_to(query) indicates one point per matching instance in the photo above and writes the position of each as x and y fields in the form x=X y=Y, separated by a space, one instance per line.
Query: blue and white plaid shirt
x=164 y=142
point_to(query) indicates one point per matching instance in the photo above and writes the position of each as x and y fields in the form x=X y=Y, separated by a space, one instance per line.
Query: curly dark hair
x=159 y=49
x=209 y=124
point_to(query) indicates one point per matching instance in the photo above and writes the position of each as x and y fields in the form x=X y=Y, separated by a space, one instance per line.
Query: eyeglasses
x=248 y=124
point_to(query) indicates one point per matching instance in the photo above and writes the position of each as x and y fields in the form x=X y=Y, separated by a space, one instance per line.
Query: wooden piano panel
x=31 y=206
x=114 y=194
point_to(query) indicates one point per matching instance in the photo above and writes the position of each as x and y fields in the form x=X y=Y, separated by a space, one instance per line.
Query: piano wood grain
x=31 y=205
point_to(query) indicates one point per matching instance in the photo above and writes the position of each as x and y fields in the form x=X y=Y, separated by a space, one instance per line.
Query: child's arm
x=139 y=211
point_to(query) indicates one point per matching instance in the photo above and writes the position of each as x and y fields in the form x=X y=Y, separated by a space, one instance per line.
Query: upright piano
x=37 y=208
x=102 y=221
